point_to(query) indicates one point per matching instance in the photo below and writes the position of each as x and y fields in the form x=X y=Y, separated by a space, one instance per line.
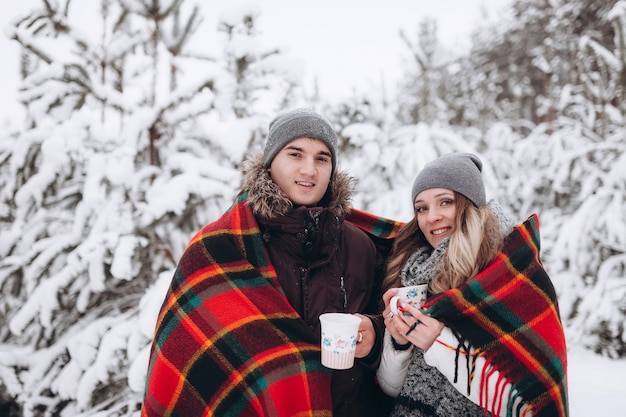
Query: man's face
x=302 y=169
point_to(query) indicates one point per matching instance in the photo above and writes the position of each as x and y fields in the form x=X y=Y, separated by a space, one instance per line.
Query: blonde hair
x=475 y=242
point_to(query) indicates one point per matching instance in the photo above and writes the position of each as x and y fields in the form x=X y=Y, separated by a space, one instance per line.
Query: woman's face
x=302 y=169
x=435 y=210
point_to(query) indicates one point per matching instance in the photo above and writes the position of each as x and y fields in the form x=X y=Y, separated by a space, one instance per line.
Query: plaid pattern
x=227 y=341
x=374 y=225
x=510 y=312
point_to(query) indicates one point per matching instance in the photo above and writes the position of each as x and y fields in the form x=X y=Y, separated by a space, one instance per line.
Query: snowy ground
x=596 y=385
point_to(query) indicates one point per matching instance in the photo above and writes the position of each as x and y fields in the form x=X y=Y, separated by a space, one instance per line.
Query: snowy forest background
x=134 y=137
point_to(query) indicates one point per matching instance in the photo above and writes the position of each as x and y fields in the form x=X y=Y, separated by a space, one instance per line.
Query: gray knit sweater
x=426 y=393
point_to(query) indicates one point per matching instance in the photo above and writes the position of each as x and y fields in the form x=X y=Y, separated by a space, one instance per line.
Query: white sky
x=356 y=43
x=348 y=45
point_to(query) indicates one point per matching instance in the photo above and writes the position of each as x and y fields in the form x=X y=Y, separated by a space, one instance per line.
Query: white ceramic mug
x=339 y=338
x=413 y=294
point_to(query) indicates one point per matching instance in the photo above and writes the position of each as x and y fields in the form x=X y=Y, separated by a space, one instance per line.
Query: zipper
x=343 y=297
x=305 y=292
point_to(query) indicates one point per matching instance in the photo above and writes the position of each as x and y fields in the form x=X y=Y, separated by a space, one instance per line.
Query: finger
x=412 y=327
x=406 y=311
x=387 y=316
x=408 y=322
x=391 y=325
x=363 y=323
x=416 y=312
x=402 y=323
x=394 y=327
x=388 y=294
x=398 y=333
x=427 y=320
x=366 y=324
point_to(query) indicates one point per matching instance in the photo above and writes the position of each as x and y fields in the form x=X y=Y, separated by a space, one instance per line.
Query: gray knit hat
x=460 y=172
x=298 y=123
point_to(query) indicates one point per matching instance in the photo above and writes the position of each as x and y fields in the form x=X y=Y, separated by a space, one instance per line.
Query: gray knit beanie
x=460 y=172
x=298 y=123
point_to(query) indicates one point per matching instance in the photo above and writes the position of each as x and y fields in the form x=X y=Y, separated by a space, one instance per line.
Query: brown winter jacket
x=324 y=265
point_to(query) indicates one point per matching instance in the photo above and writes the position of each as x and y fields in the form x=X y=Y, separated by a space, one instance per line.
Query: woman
x=489 y=340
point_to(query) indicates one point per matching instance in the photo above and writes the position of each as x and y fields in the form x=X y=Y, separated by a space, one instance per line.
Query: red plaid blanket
x=510 y=312
x=376 y=226
x=227 y=341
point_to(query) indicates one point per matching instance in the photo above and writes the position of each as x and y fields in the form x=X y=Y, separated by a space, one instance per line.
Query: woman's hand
x=390 y=319
x=412 y=325
x=366 y=337
x=417 y=327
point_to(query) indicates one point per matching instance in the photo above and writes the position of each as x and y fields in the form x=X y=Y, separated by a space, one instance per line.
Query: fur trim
x=267 y=199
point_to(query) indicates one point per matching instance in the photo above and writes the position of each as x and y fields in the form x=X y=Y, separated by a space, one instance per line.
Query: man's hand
x=366 y=337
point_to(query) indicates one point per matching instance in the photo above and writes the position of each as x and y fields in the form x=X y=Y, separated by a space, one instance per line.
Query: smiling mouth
x=305 y=184
x=441 y=231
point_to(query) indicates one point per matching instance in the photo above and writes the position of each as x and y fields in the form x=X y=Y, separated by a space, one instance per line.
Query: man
x=239 y=331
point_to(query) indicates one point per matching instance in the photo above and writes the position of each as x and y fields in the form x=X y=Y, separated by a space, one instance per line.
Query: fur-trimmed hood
x=267 y=199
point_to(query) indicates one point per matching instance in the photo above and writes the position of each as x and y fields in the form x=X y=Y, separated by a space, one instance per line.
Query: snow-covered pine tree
x=132 y=144
x=261 y=78
x=386 y=156
x=590 y=249
x=420 y=92
x=385 y=163
x=95 y=200
x=569 y=169
x=519 y=63
x=363 y=124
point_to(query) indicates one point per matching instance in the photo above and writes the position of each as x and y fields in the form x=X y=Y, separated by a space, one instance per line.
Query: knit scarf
x=509 y=312
x=227 y=341
x=422 y=265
